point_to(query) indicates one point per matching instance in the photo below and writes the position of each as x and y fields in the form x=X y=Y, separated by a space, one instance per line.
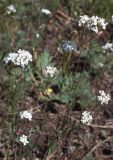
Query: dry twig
x=97 y=146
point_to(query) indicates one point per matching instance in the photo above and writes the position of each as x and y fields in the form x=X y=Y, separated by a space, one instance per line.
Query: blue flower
x=67 y=47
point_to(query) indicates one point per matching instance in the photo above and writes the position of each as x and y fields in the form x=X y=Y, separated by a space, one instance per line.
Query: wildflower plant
x=45 y=73
x=16 y=65
x=66 y=83
x=67 y=49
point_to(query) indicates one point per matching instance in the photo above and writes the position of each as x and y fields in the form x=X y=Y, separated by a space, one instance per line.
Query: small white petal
x=46 y=11
x=108 y=46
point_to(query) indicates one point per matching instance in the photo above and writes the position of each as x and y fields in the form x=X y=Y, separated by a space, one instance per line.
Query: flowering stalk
x=17 y=72
x=66 y=62
x=67 y=48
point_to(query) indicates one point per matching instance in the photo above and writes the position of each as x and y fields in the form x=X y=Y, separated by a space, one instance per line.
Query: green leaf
x=89 y=157
x=44 y=60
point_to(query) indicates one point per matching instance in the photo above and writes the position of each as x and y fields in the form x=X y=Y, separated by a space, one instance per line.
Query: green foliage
x=73 y=88
x=96 y=58
x=89 y=157
x=18 y=81
x=101 y=8
x=43 y=60
x=52 y=148
x=52 y=5
x=83 y=91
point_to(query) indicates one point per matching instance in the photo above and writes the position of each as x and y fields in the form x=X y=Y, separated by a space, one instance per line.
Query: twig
x=52 y=156
x=64 y=15
x=33 y=110
x=103 y=127
x=106 y=157
x=94 y=125
x=98 y=145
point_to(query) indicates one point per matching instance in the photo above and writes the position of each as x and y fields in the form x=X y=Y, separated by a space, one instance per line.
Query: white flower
x=93 y=23
x=11 y=9
x=21 y=58
x=37 y=35
x=108 y=46
x=46 y=11
x=83 y=20
x=86 y=118
x=26 y=114
x=50 y=71
x=101 y=64
x=24 y=140
x=103 y=98
x=95 y=29
x=102 y=22
x=94 y=20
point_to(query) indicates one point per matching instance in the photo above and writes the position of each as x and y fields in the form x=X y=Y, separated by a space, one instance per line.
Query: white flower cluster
x=46 y=11
x=24 y=140
x=86 y=118
x=50 y=71
x=26 y=114
x=103 y=98
x=108 y=46
x=21 y=58
x=11 y=9
x=92 y=23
